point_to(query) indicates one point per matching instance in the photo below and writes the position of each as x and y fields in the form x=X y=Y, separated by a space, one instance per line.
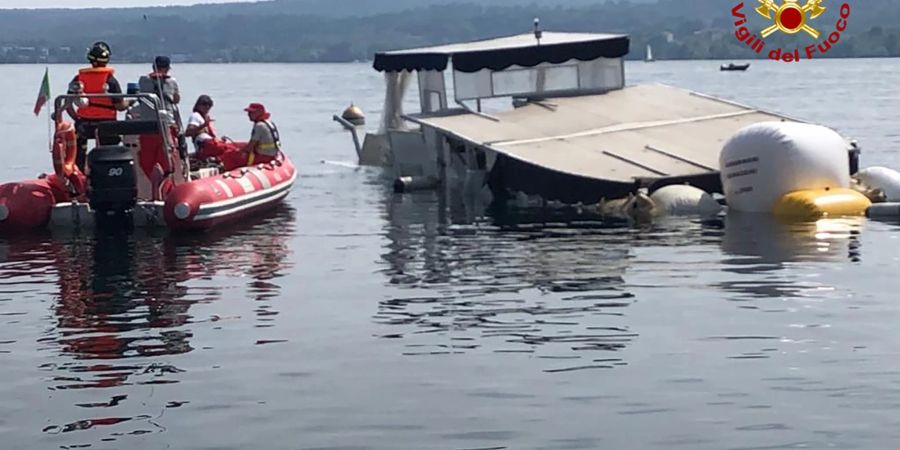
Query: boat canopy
x=500 y=53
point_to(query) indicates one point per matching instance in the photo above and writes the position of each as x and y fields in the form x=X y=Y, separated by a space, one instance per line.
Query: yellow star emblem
x=790 y=17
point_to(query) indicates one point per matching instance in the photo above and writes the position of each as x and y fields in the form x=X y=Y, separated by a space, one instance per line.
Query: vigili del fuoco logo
x=790 y=17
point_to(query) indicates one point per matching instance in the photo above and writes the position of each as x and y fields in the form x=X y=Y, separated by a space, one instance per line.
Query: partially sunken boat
x=573 y=132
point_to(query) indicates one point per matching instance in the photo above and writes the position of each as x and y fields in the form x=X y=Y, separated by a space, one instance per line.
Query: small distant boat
x=734 y=67
x=649 y=56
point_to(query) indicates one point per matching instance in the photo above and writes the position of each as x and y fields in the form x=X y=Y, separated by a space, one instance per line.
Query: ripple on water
x=785 y=446
x=339 y=447
x=482 y=435
x=87 y=424
x=509 y=294
x=122 y=313
x=573 y=444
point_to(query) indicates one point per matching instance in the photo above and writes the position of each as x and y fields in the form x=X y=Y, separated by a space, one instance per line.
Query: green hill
x=324 y=30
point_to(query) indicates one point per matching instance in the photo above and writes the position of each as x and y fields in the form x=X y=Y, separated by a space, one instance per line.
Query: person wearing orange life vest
x=97 y=79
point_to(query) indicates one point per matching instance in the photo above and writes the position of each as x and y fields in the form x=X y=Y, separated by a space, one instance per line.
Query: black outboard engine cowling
x=113 y=183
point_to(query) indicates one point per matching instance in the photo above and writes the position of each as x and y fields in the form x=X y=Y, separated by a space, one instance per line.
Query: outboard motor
x=113 y=183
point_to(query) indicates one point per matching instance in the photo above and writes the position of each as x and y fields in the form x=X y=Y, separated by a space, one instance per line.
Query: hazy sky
x=8 y=4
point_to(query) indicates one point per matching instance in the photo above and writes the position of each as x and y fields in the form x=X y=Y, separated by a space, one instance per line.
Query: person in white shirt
x=200 y=129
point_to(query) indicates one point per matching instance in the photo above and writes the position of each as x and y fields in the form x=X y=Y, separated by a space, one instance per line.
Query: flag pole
x=49 y=118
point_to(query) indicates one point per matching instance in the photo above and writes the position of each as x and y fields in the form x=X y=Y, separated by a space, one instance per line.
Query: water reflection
x=765 y=249
x=557 y=283
x=113 y=286
x=768 y=240
x=122 y=311
x=535 y=283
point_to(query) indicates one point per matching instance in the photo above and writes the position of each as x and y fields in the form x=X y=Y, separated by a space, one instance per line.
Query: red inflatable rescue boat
x=119 y=187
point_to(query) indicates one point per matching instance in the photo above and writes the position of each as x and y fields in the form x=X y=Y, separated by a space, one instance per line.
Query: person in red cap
x=264 y=144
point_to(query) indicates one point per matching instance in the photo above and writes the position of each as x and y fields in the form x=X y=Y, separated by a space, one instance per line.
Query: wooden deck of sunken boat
x=581 y=148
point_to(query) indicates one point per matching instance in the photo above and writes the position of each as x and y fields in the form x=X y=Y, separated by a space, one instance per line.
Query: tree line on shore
x=321 y=31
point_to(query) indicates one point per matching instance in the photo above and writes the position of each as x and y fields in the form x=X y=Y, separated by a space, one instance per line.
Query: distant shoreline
x=322 y=31
x=636 y=60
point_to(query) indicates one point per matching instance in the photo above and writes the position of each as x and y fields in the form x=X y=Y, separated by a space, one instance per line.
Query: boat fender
x=884 y=210
x=888 y=180
x=814 y=204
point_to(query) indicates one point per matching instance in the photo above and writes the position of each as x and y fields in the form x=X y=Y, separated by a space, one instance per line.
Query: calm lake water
x=354 y=318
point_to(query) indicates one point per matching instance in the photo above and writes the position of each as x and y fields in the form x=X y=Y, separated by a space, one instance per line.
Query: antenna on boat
x=537 y=30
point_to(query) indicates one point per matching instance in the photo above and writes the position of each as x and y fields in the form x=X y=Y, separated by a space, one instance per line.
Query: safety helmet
x=99 y=53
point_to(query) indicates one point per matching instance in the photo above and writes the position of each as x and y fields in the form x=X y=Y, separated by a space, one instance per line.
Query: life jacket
x=65 y=151
x=94 y=80
x=159 y=81
x=273 y=148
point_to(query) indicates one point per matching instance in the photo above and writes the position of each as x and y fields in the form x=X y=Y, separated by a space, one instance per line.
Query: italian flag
x=44 y=94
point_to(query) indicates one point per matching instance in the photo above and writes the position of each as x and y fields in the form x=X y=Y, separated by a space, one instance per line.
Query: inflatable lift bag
x=888 y=180
x=677 y=200
x=763 y=162
x=814 y=204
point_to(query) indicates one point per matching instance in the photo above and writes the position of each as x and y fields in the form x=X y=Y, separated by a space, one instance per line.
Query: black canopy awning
x=498 y=54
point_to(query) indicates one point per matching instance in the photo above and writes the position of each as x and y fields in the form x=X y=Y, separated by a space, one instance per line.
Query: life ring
x=65 y=149
x=65 y=152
